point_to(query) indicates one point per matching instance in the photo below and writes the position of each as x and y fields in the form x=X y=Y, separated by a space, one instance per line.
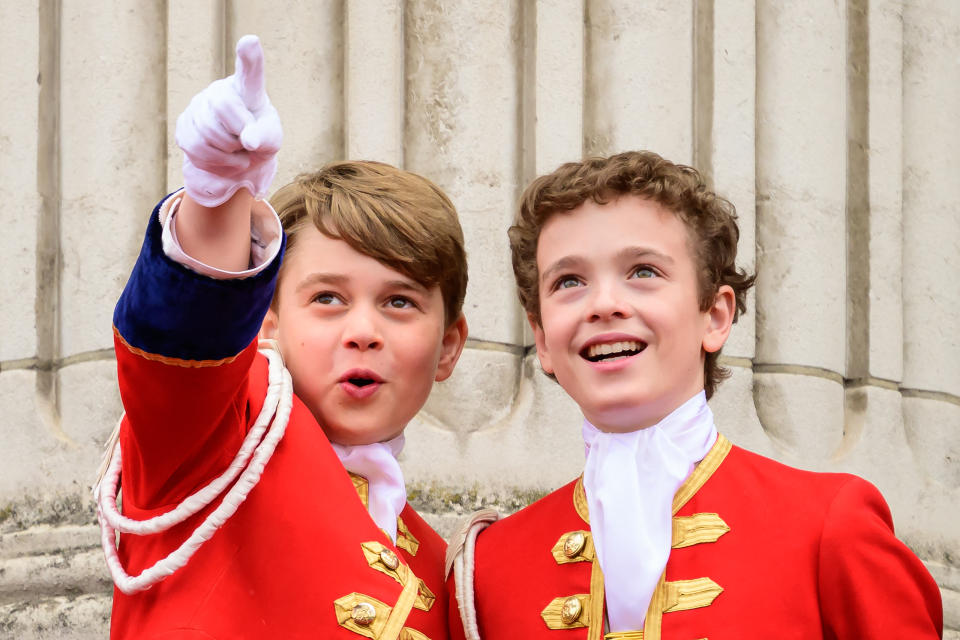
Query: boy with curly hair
x=626 y=269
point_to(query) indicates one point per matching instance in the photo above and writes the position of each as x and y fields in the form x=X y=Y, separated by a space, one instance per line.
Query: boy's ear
x=269 y=326
x=451 y=346
x=719 y=319
x=542 y=352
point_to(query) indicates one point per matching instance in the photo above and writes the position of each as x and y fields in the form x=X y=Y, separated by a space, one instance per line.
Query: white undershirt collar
x=377 y=463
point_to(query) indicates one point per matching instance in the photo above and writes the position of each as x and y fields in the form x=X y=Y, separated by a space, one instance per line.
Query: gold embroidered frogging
x=382 y=559
x=369 y=617
x=680 y=595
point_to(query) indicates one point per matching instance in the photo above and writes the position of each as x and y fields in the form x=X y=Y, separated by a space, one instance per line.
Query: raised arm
x=186 y=324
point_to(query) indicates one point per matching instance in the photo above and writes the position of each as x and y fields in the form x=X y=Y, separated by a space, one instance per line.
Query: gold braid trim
x=700 y=528
x=701 y=473
x=398 y=616
x=362 y=486
x=176 y=362
x=597 y=597
x=405 y=539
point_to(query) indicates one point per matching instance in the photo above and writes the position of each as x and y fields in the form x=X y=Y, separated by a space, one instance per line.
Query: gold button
x=574 y=544
x=389 y=559
x=363 y=613
x=571 y=610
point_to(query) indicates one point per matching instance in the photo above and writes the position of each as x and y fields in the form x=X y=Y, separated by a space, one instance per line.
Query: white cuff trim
x=265 y=239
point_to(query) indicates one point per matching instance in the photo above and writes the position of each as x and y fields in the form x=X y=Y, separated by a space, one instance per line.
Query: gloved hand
x=230 y=133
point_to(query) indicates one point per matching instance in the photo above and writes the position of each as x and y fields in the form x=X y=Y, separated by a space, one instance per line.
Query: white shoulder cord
x=461 y=559
x=276 y=410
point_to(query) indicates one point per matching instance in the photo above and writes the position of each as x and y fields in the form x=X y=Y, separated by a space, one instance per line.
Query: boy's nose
x=361 y=332
x=606 y=303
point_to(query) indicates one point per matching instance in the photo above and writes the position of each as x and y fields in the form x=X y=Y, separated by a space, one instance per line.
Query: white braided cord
x=463 y=566
x=249 y=463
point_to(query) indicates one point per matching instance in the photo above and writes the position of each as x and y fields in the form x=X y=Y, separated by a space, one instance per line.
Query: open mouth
x=361 y=382
x=610 y=351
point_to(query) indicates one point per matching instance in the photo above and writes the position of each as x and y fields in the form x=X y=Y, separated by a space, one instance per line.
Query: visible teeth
x=613 y=347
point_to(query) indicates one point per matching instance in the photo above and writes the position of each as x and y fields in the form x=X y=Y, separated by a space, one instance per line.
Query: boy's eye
x=326 y=298
x=567 y=282
x=400 y=302
x=643 y=272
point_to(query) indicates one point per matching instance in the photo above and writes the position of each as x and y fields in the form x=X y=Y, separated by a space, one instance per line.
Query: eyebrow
x=406 y=285
x=645 y=252
x=321 y=278
x=564 y=263
x=339 y=279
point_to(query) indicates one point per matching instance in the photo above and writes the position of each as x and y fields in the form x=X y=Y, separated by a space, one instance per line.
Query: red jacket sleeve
x=185 y=344
x=871 y=585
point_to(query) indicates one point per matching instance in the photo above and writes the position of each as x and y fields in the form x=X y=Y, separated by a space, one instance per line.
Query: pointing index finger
x=248 y=73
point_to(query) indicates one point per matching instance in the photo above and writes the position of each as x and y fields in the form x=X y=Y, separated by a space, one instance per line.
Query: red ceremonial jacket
x=760 y=551
x=302 y=550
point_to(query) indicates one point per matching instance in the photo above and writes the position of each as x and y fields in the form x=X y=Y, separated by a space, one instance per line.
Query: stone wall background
x=833 y=125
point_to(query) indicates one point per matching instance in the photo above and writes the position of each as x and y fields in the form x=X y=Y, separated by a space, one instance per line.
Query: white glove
x=230 y=133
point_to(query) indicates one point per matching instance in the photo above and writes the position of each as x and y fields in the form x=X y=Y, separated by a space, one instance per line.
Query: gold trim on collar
x=363 y=488
x=580 y=500
x=702 y=472
x=574 y=546
x=698 y=477
x=700 y=528
x=405 y=539
x=624 y=635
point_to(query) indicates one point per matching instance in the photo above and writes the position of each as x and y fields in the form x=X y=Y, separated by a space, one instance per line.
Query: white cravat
x=630 y=480
x=377 y=463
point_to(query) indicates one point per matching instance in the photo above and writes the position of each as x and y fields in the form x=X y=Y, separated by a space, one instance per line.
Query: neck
x=680 y=412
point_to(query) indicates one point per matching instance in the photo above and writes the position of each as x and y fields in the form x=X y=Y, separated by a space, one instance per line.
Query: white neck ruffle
x=630 y=480
x=377 y=463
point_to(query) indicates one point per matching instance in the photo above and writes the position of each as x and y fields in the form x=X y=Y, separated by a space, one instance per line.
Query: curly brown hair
x=396 y=217
x=710 y=219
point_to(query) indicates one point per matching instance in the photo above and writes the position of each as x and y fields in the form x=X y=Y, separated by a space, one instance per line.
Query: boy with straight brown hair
x=626 y=267
x=262 y=497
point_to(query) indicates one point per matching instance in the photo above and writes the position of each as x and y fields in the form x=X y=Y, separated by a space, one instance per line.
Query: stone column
x=639 y=86
x=373 y=80
x=931 y=244
x=801 y=248
x=463 y=114
x=304 y=76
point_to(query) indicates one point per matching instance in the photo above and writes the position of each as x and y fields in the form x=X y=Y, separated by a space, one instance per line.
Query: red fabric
x=808 y=555
x=276 y=567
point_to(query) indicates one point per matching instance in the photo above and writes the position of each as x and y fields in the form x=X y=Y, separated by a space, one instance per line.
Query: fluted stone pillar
x=931 y=272
x=373 y=80
x=801 y=227
x=462 y=118
x=639 y=93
